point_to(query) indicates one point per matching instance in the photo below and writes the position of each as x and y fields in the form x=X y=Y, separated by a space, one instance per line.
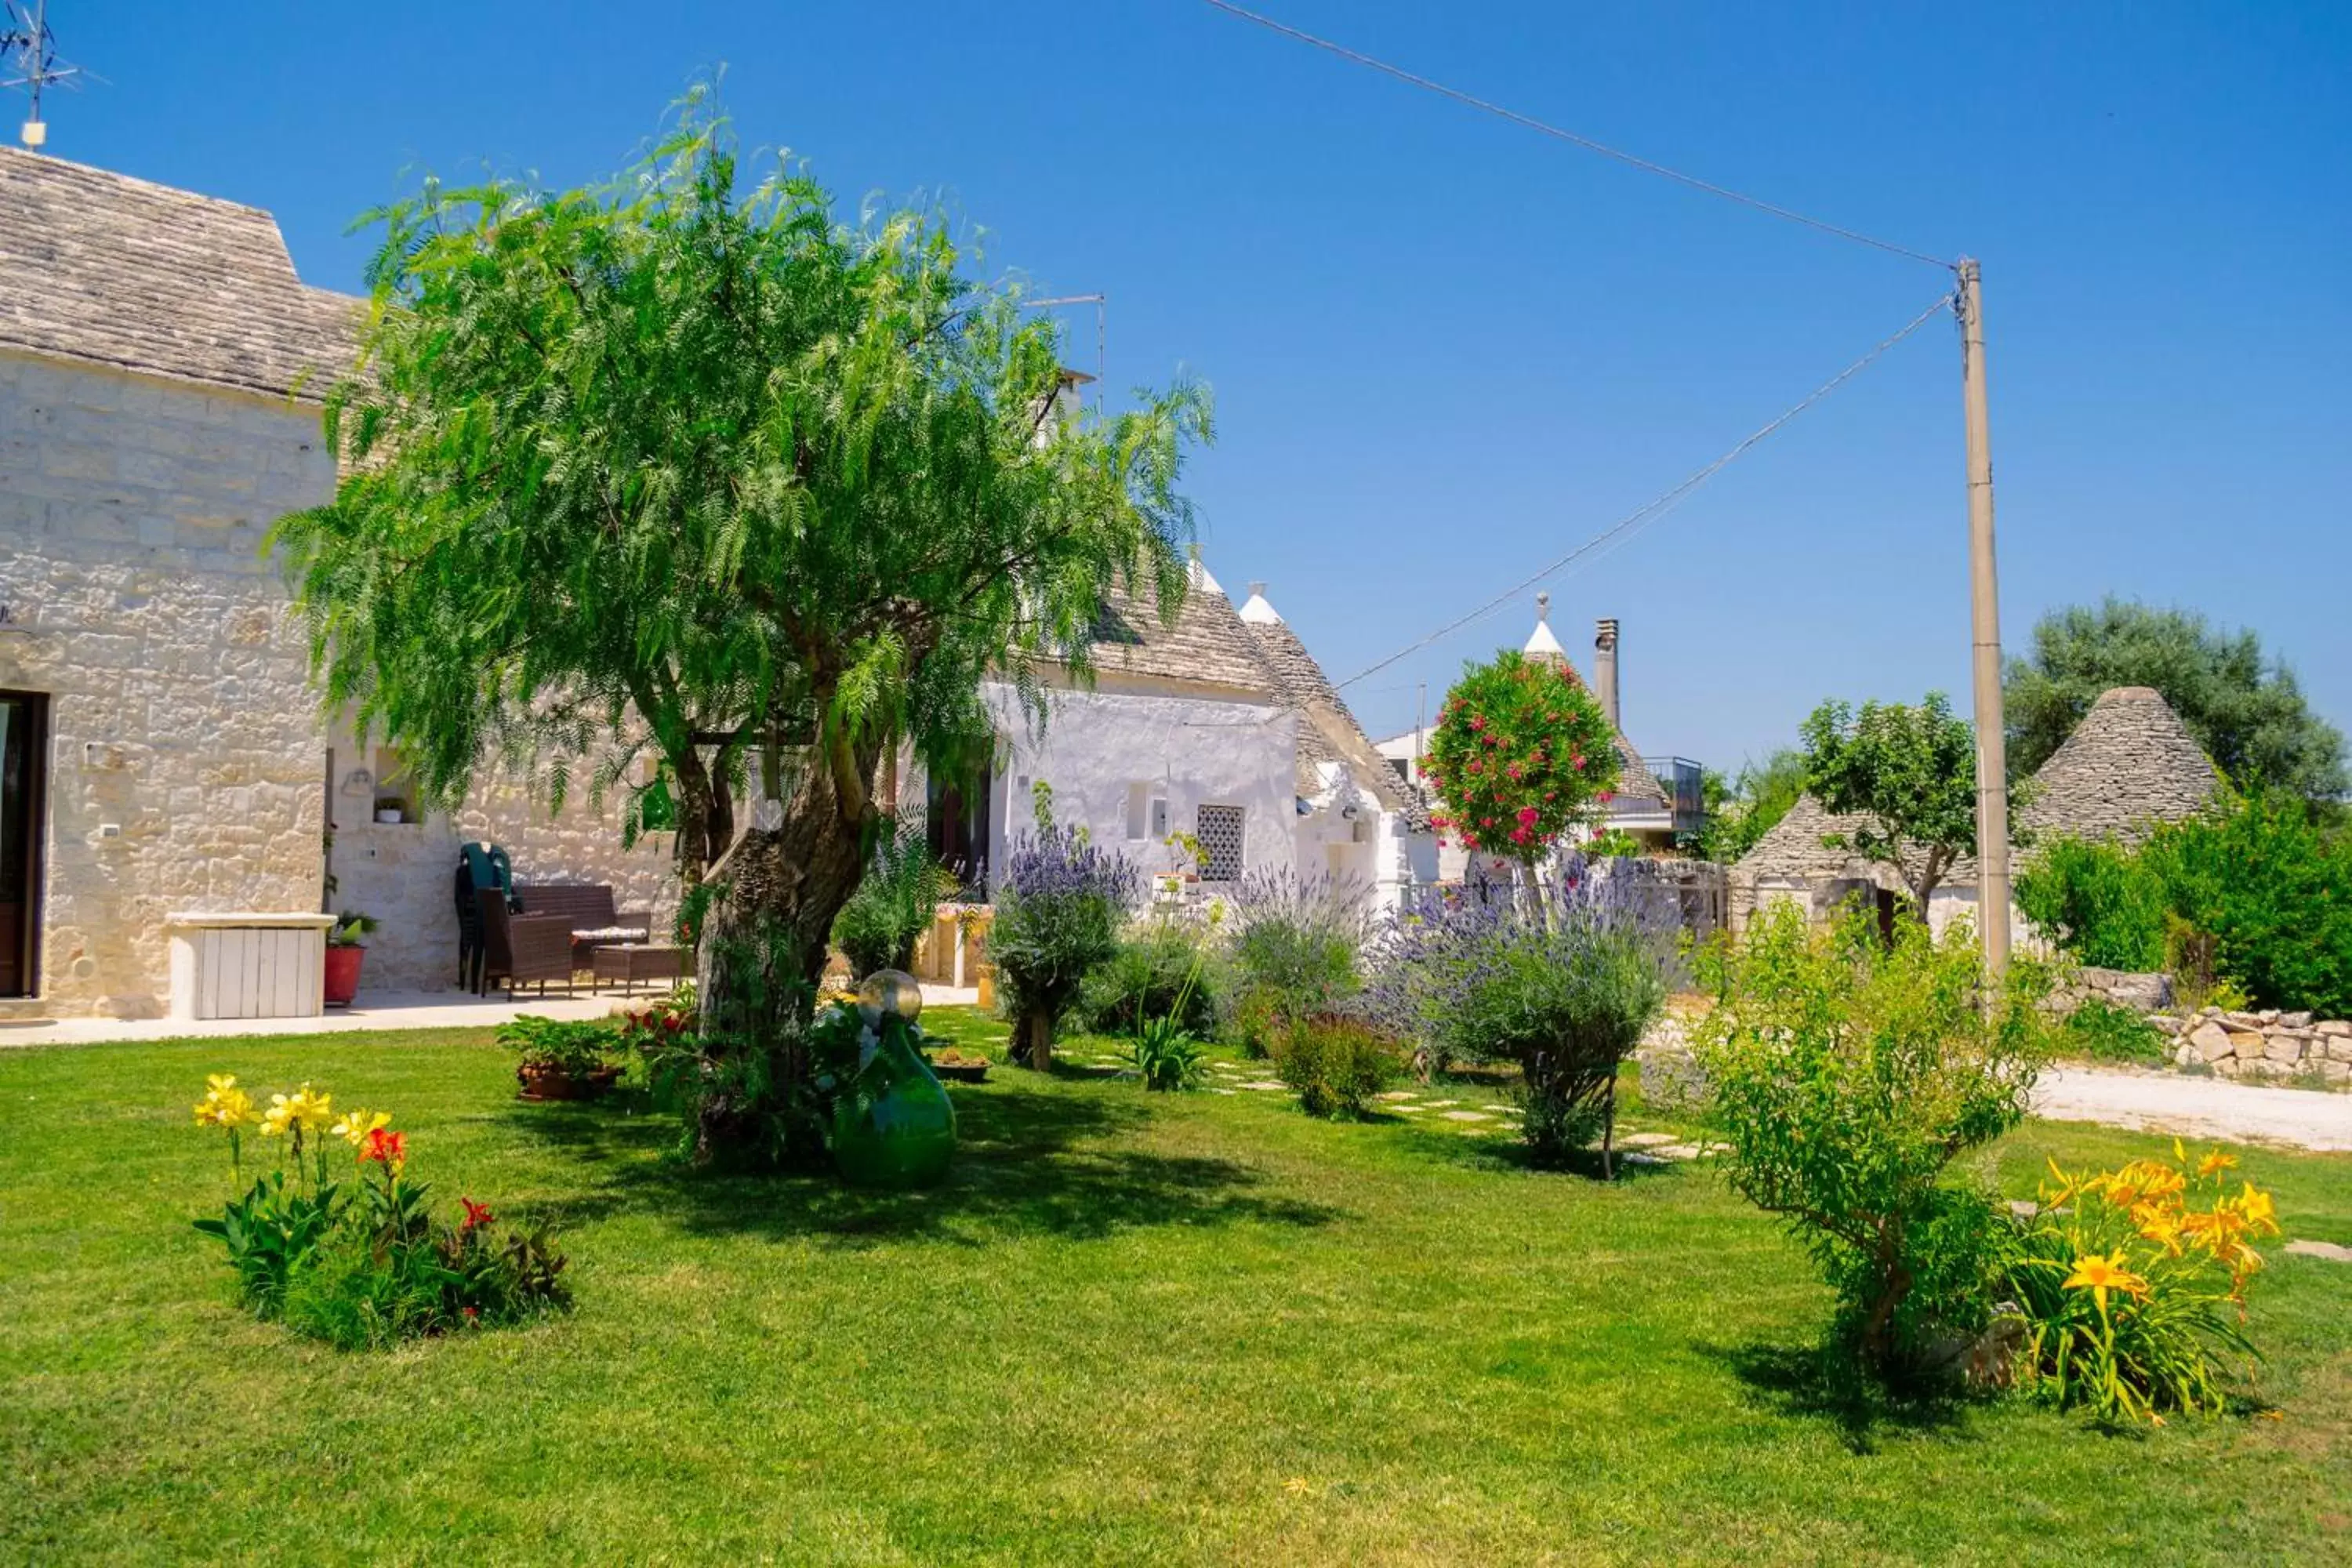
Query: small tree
x=1522 y=753
x=1742 y=810
x=662 y=468
x=1909 y=774
x=1059 y=904
x=1561 y=983
x=1846 y=1075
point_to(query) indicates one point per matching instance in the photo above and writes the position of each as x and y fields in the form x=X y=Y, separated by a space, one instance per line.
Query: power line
x=1649 y=512
x=1590 y=146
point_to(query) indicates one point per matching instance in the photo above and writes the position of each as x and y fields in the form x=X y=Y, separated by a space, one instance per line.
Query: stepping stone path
x=1644 y=1139
x=1466 y=1116
x=2327 y=1250
x=1264 y=1084
x=1398 y=1094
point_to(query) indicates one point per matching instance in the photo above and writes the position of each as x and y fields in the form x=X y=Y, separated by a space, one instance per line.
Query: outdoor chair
x=585 y=906
x=519 y=947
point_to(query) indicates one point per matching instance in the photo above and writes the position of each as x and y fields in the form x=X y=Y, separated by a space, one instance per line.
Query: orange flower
x=390 y=1148
x=2100 y=1275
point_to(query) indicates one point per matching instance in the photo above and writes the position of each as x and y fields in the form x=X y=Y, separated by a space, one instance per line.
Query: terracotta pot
x=342 y=981
x=554 y=1083
x=964 y=1071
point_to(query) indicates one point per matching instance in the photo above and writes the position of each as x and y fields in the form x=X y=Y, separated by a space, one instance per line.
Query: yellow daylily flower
x=2255 y=1207
x=356 y=1124
x=225 y=1105
x=301 y=1110
x=2214 y=1164
x=2100 y=1275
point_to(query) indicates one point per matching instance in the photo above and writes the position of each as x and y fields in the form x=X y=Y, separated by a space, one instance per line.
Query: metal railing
x=1679 y=780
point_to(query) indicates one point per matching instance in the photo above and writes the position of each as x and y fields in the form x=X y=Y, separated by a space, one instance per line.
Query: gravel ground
x=2196 y=1106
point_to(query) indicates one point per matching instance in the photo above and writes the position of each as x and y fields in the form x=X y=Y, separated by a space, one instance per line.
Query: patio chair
x=516 y=948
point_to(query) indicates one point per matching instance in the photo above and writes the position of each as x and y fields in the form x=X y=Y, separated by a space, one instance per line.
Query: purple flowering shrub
x=1297 y=947
x=1060 y=901
x=1560 y=978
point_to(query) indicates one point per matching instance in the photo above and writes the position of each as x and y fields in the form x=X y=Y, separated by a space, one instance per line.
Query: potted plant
x=963 y=1066
x=344 y=952
x=560 y=1060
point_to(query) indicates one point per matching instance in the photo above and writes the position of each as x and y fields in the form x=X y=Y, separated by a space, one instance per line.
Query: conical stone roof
x=2129 y=765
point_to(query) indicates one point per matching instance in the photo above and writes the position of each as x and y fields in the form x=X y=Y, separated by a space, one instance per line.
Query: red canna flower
x=390 y=1148
x=476 y=1214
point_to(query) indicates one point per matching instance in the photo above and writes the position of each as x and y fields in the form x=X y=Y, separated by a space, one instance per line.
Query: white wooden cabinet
x=246 y=964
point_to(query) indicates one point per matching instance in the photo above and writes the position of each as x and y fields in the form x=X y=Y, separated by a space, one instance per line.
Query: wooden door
x=23 y=775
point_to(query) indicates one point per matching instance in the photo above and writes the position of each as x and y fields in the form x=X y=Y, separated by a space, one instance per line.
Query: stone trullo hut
x=2129 y=765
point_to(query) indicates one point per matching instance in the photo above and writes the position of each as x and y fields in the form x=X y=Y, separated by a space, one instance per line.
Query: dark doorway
x=955 y=821
x=23 y=776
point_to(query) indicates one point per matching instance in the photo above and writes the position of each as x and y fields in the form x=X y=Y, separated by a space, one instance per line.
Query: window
x=1220 y=843
x=1139 y=811
x=1160 y=820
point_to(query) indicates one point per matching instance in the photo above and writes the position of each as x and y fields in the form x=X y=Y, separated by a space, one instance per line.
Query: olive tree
x=669 y=467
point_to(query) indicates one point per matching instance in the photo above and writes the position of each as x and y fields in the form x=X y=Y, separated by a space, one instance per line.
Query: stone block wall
x=2268 y=1047
x=185 y=764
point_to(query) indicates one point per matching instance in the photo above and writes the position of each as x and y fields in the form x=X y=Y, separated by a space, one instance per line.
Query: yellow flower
x=2214 y=1164
x=356 y=1124
x=2254 y=1206
x=2100 y=1275
x=225 y=1105
x=2160 y=1225
x=301 y=1110
x=1299 y=1486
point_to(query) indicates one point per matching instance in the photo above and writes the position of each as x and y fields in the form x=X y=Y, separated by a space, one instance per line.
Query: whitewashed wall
x=1197 y=747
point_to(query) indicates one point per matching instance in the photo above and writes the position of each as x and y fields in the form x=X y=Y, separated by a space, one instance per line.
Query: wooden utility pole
x=1984 y=611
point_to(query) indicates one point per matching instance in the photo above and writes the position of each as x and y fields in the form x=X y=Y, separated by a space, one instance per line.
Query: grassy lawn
x=1132 y=1328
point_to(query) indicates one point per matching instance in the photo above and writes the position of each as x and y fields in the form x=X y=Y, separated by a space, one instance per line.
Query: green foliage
x=895 y=903
x=1616 y=844
x=2272 y=889
x=1168 y=1055
x=348 y=927
x=668 y=464
x=2098 y=901
x=1522 y=753
x=1160 y=966
x=2253 y=894
x=1741 y=811
x=271 y=1233
x=1337 y=1063
x=2104 y=1032
x=1060 y=901
x=2246 y=711
x=1909 y=774
x=1297 y=946
x=574 y=1048
x=1846 y=1075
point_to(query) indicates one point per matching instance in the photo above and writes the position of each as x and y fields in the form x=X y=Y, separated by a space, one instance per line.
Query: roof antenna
x=1101 y=302
x=29 y=46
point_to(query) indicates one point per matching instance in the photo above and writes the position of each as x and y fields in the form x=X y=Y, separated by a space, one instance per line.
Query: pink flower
x=1486 y=822
x=1605 y=796
x=1519 y=836
x=1527 y=815
x=1477 y=721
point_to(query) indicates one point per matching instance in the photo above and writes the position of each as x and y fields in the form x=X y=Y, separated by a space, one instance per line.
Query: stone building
x=160 y=366
x=2129 y=765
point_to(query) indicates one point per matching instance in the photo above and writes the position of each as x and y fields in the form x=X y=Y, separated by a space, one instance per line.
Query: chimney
x=1604 y=669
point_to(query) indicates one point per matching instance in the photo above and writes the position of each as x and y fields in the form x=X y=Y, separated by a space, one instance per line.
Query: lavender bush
x=1297 y=947
x=1560 y=978
x=1059 y=904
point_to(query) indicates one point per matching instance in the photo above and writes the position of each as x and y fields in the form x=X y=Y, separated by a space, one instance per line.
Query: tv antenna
x=28 y=48
x=1101 y=302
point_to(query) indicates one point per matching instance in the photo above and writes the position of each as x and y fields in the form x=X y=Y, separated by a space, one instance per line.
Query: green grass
x=1132 y=1328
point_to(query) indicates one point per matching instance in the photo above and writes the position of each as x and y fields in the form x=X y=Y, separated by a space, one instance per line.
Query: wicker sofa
x=585 y=906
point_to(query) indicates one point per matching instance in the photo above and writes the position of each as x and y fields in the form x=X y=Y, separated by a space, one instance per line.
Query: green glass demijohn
x=894 y=1125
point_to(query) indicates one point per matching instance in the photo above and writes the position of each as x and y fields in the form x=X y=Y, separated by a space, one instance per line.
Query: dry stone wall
x=2268 y=1047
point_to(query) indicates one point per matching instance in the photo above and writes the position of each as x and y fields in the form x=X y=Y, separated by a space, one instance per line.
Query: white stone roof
x=1327 y=732
x=107 y=270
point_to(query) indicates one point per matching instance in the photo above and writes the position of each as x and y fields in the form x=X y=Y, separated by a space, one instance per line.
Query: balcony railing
x=1679 y=782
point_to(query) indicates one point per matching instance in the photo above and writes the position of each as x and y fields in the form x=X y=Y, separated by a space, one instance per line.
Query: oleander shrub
x=1337 y=1063
x=1559 y=978
x=1845 y=1075
x=2133 y=1286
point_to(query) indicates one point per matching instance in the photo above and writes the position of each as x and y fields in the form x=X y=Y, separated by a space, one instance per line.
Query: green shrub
x=1157 y=965
x=2106 y=1033
x=1296 y=948
x=1560 y=979
x=1167 y=1056
x=1337 y=1063
x=895 y=903
x=2099 y=901
x=2272 y=889
x=1846 y=1075
x=1059 y=904
x=575 y=1046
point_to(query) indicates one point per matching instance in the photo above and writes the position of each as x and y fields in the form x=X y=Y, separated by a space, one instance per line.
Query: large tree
x=2246 y=711
x=1908 y=775
x=660 y=467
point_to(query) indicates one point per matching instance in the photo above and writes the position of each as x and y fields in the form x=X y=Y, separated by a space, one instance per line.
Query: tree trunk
x=1034 y=1043
x=760 y=957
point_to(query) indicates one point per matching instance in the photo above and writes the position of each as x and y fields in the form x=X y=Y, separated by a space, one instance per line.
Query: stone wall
x=2268 y=1047
x=185 y=764
x=188 y=766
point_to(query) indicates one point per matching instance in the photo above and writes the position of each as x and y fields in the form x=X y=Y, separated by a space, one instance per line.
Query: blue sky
x=1445 y=349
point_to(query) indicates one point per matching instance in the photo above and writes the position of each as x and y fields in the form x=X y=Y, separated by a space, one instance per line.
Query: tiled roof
x=1207 y=645
x=1329 y=734
x=104 y=268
